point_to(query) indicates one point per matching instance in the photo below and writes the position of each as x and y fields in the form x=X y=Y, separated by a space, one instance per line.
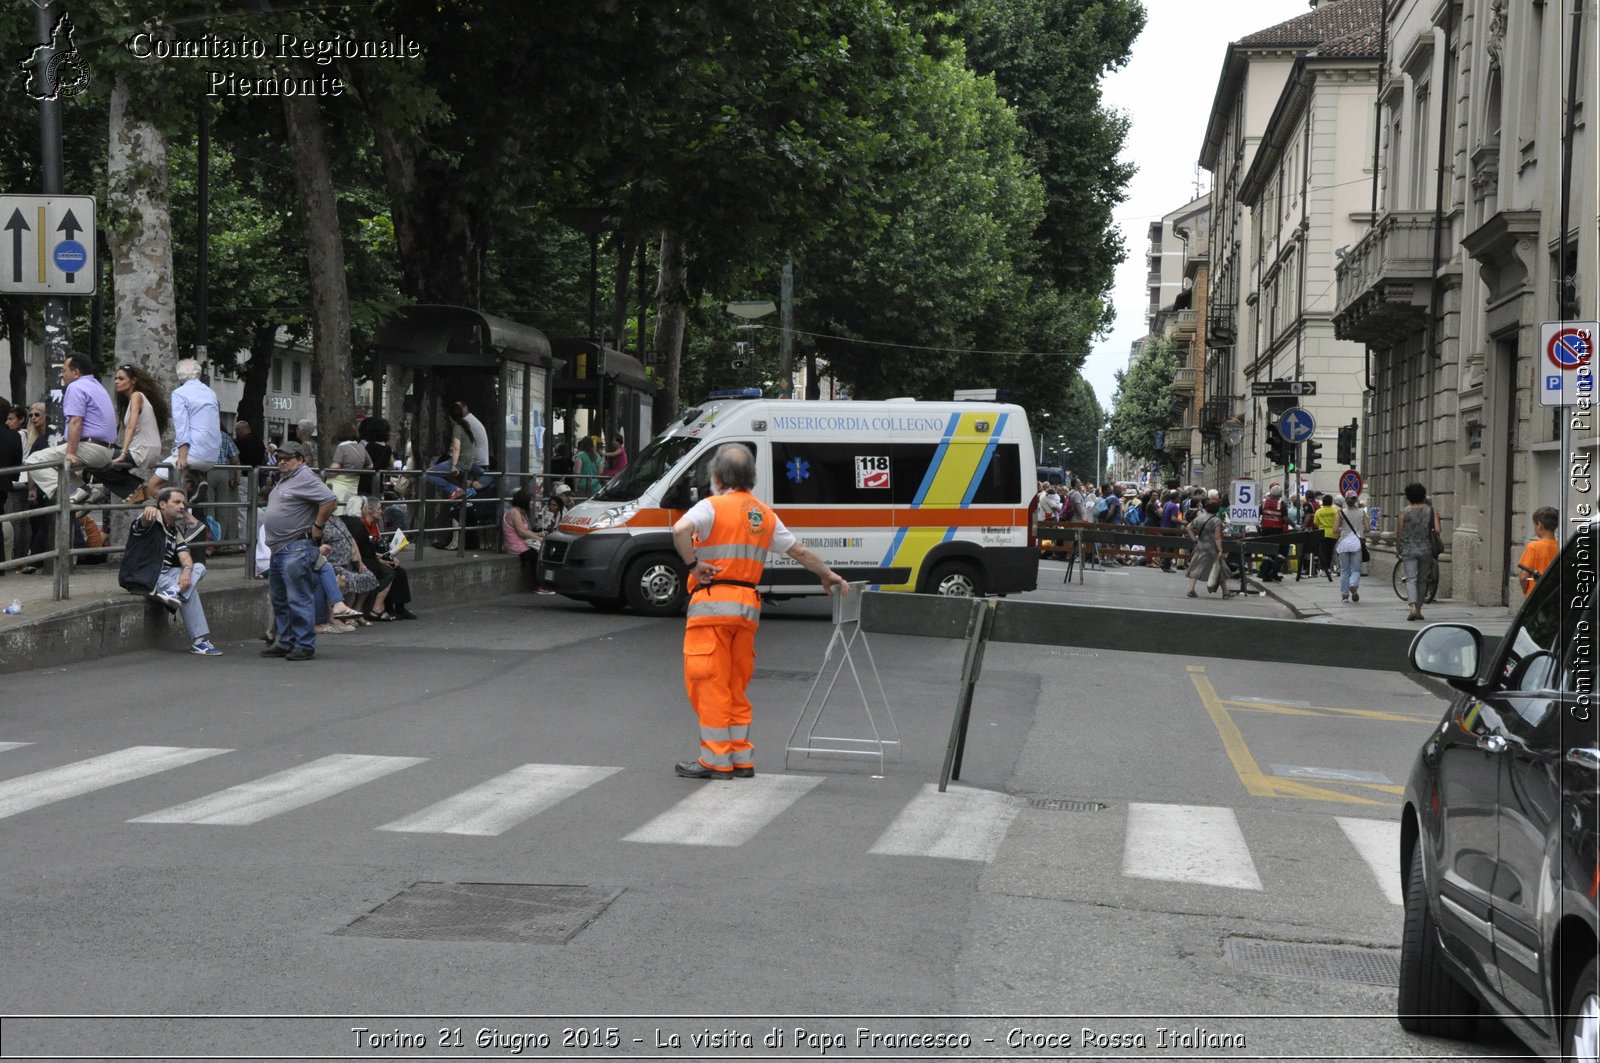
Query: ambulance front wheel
x=655 y=585
x=956 y=579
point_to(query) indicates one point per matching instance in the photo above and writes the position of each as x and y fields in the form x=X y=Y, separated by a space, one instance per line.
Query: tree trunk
x=331 y=375
x=17 y=340
x=440 y=238
x=672 y=299
x=252 y=401
x=619 y=291
x=140 y=233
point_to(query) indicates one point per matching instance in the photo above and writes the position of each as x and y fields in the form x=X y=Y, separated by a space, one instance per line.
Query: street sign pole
x=57 y=333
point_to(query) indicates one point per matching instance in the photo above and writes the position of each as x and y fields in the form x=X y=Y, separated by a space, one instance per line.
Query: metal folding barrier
x=847 y=633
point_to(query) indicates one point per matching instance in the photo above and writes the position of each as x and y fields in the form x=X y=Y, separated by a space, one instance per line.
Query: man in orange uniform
x=724 y=539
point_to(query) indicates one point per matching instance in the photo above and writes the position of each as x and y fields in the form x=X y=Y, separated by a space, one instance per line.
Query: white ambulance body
x=904 y=495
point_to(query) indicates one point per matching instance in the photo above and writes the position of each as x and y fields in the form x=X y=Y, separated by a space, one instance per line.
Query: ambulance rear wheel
x=655 y=585
x=956 y=579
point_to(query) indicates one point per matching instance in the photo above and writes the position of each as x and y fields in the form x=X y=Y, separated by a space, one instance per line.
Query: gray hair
x=733 y=467
x=188 y=369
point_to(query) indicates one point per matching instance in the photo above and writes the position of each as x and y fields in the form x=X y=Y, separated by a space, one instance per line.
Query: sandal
x=377 y=618
x=1192 y=594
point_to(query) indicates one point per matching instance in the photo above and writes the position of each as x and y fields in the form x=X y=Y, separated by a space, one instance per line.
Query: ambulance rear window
x=879 y=473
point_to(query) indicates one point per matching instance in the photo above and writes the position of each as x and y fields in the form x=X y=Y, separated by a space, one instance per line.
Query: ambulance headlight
x=614 y=516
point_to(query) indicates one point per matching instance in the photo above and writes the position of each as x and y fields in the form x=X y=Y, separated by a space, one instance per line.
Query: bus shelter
x=503 y=370
x=600 y=390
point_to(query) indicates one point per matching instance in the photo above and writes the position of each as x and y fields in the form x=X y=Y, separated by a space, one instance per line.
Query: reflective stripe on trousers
x=702 y=606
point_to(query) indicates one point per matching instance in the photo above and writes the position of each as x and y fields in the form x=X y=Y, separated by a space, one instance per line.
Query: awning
x=458 y=337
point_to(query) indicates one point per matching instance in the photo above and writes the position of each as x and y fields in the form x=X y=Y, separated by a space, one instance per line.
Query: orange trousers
x=718 y=660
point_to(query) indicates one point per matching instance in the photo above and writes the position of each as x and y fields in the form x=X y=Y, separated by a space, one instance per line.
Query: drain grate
x=1318 y=963
x=784 y=673
x=535 y=914
x=1059 y=804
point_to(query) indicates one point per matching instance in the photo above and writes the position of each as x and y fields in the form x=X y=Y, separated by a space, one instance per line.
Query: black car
x=1498 y=838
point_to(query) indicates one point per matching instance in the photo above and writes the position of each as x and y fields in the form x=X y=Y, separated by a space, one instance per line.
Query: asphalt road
x=220 y=837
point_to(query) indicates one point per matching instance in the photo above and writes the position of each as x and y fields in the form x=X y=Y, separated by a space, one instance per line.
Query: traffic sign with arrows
x=1282 y=388
x=42 y=254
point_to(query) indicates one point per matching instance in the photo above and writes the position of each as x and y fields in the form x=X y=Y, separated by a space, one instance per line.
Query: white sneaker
x=80 y=496
x=98 y=494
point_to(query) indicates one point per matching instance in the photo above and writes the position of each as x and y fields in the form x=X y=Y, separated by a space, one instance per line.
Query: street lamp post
x=1099 y=455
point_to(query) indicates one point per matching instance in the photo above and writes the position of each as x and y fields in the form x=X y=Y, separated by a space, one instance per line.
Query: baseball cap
x=560 y=490
x=1349 y=496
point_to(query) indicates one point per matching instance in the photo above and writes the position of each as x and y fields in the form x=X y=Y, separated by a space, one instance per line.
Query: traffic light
x=1277 y=447
x=1313 y=457
x=1347 y=444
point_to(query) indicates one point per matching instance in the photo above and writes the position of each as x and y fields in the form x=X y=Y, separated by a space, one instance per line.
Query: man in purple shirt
x=91 y=428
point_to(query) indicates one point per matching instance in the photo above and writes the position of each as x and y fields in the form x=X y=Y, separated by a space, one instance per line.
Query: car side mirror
x=1449 y=651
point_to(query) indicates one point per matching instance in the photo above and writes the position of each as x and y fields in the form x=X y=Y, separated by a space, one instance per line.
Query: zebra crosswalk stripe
x=495 y=806
x=1378 y=842
x=284 y=791
x=1188 y=843
x=725 y=813
x=96 y=773
x=960 y=824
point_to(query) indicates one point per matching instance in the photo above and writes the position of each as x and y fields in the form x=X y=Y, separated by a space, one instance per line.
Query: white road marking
x=1378 y=842
x=284 y=791
x=13 y=745
x=495 y=806
x=960 y=824
x=1188 y=843
x=725 y=813
x=96 y=773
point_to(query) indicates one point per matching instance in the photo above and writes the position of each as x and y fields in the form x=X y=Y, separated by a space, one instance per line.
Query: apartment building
x=1484 y=229
x=1184 y=235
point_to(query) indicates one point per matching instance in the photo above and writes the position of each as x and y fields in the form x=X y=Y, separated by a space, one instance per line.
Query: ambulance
x=902 y=495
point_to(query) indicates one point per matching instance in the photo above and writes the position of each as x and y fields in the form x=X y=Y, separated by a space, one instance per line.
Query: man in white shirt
x=196 y=427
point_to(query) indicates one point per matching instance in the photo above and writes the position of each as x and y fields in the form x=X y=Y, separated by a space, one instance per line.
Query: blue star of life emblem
x=799 y=469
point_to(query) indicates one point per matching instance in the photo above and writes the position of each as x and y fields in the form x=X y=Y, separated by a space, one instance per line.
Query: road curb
x=108 y=624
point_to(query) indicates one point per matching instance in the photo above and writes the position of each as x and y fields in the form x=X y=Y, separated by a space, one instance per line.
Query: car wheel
x=1580 y=1036
x=1431 y=1000
x=655 y=585
x=956 y=579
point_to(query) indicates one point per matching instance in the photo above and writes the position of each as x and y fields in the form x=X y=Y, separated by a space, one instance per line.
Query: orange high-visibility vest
x=741 y=533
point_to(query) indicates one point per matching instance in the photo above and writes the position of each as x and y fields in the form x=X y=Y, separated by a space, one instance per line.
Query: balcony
x=1385 y=282
x=1183 y=381
x=1184 y=324
x=1220 y=326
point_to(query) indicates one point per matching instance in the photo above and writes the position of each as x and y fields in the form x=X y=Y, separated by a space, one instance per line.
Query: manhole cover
x=1318 y=963
x=534 y=914
x=1059 y=804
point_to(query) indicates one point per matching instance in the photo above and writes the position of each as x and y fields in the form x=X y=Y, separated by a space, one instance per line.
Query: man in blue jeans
x=296 y=512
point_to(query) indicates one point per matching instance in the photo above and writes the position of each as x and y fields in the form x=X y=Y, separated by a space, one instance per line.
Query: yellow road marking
x=1324 y=710
x=1256 y=782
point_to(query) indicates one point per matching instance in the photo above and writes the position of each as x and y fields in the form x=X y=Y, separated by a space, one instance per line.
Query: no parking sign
x=1566 y=367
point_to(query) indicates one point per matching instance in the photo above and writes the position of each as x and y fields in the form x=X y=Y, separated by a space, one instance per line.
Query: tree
x=1144 y=403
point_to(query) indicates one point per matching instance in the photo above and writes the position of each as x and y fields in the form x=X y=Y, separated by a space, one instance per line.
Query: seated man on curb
x=178 y=586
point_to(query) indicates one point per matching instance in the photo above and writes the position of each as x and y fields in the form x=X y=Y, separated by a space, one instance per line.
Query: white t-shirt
x=702 y=516
x=1349 y=540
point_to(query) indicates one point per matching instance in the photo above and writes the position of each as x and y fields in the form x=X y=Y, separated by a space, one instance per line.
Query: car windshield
x=652 y=463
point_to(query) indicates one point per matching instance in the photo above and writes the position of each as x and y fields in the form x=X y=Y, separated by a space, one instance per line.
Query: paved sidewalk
x=1316 y=599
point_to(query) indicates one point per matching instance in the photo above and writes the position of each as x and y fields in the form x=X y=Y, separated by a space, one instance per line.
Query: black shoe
x=402 y=613
x=693 y=769
x=745 y=773
x=275 y=651
x=300 y=653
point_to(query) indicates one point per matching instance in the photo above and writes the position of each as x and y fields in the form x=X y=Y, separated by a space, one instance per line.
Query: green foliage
x=1144 y=402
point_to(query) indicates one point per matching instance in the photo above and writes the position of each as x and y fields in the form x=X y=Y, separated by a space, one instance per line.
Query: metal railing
x=50 y=545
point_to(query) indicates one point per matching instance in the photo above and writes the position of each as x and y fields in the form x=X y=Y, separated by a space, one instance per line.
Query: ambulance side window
x=1001 y=483
x=698 y=477
x=862 y=473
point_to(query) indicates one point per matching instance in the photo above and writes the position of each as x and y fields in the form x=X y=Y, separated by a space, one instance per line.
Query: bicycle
x=1427 y=571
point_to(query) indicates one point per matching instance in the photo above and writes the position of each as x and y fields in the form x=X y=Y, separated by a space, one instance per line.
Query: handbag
x=1435 y=540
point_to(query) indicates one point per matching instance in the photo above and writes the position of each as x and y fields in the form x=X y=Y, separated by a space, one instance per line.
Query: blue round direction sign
x=1569 y=348
x=71 y=256
x=1349 y=483
x=1297 y=424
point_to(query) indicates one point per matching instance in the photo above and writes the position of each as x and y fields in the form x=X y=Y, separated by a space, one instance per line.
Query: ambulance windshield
x=650 y=466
